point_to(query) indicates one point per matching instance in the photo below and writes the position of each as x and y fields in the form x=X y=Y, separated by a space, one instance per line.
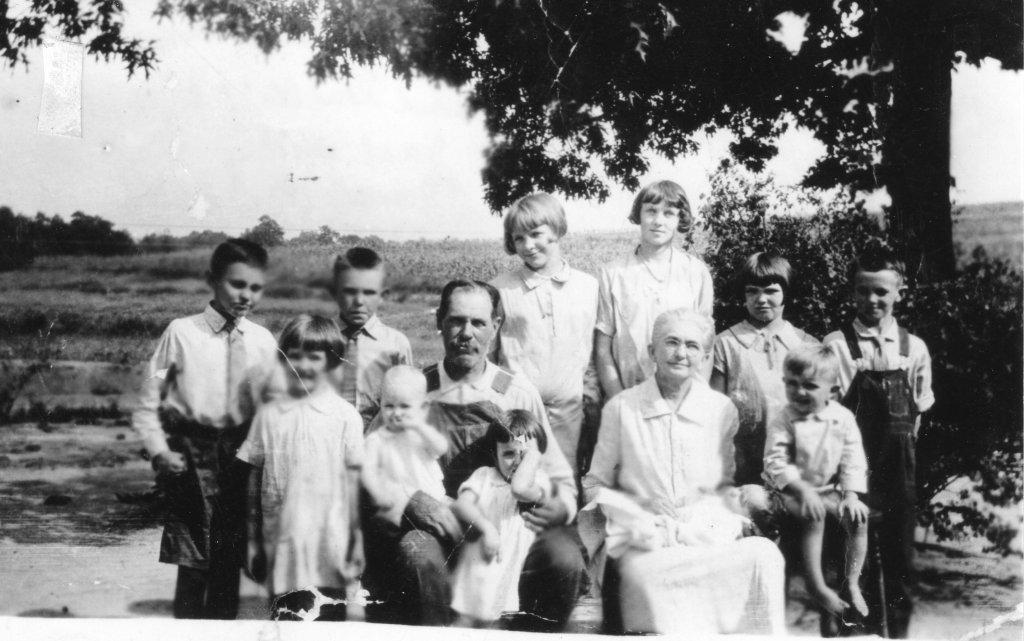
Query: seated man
x=407 y=570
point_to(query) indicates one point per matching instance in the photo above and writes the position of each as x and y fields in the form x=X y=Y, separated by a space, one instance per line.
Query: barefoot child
x=654 y=278
x=550 y=310
x=401 y=456
x=486 y=580
x=885 y=377
x=813 y=455
x=371 y=347
x=304 y=451
x=748 y=357
x=206 y=377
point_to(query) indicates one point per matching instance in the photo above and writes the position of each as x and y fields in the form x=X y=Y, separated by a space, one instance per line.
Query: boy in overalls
x=885 y=379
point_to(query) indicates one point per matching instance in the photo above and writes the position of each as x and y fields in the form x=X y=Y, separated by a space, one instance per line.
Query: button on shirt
x=519 y=395
x=880 y=348
x=547 y=336
x=815 y=448
x=630 y=299
x=189 y=374
x=652 y=450
x=379 y=348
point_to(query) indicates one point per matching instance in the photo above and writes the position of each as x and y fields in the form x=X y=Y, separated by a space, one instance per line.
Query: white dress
x=305 y=447
x=483 y=589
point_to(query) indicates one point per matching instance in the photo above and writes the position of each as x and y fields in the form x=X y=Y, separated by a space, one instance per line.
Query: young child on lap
x=748 y=357
x=815 y=459
x=202 y=386
x=402 y=455
x=549 y=315
x=305 y=451
x=654 y=278
x=486 y=579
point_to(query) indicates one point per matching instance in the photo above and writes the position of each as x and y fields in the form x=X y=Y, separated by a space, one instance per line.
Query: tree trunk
x=915 y=147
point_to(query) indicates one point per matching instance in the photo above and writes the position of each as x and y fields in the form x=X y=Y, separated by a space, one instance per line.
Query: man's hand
x=852 y=505
x=169 y=462
x=427 y=513
x=256 y=562
x=550 y=512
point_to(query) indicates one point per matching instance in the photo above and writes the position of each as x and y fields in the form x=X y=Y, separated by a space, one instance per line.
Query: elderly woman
x=662 y=474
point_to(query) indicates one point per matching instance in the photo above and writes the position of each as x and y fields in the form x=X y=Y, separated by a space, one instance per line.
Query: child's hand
x=256 y=562
x=169 y=462
x=852 y=505
x=490 y=543
x=811 y=505
x=355 y=561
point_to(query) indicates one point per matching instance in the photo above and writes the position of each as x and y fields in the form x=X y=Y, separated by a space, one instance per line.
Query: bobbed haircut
x=668 y=192
x=682 y=315
x=313 y=333
x=357 y=258
x=461 y=284
x=814 y=361
x=237 y=250
x=876 y=259
x=514 y=425
x=763 y=269
x=533 y=211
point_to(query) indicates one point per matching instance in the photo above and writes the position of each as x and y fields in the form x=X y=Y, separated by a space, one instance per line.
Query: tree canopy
x=578 y=94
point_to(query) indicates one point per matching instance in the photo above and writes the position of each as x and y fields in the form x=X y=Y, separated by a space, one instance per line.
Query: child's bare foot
x=828 y=599
x=857 y=599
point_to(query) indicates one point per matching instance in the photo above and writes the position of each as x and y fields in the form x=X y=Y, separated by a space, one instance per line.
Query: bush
x=971 y=323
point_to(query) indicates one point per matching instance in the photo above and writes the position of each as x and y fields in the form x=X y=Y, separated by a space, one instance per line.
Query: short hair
x=664 y=191
x=404 y=376
x=237 y=250
x=763 y=269
x=876 y=259
x=533 y=211
x=357 y=258
x=702 y=322
x=516 y=424
x=462 y=284
x=313 y=333
x=813 y=360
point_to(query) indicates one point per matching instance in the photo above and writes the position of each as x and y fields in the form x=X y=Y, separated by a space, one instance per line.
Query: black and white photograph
x=543 y=317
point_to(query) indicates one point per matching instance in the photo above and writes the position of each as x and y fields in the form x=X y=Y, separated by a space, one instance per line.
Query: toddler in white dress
x=486 y=580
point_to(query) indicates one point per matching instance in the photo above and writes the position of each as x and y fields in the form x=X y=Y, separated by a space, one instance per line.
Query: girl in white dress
x=486 y=580
x=305 y=451
x=656 y=277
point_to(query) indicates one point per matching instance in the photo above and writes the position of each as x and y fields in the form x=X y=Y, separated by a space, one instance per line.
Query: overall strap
x=433 y=377
x=502 y=381
x=904 y=342
x=851 y=341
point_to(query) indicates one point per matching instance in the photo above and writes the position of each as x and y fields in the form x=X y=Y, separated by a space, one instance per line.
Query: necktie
x=350 y=368
x=239 y=402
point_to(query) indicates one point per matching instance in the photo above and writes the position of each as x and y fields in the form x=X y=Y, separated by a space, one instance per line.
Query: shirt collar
x=321 y=401
x=371 y=328
x=653 y=404
x=217 y=321
x=824 y=414
x=532 y=279
x=887 y=331
x=481 y=384
x=783 y=330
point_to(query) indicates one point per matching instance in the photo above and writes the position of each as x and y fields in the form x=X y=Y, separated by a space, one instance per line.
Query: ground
x=79 y=538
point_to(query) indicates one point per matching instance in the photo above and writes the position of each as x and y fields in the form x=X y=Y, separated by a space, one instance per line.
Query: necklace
x=661 y=286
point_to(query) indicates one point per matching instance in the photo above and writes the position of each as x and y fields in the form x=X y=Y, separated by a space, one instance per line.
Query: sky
x=221 y=134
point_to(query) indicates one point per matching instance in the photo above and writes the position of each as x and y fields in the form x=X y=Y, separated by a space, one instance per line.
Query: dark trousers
x=407 y=576
x=207 y=594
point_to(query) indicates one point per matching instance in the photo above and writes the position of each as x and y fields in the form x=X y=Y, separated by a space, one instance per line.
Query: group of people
x=576 y=429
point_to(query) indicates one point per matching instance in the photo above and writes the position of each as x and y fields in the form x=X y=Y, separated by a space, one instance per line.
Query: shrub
x=972 y=325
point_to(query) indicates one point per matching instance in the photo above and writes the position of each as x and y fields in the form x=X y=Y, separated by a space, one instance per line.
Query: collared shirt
x=651 y=450
x=519 y=395
x=189 y=373
x=547 y=335
x=815 y=448
x=746 y=355
x=379 y=348
x=630 y=299
x=880 y=350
